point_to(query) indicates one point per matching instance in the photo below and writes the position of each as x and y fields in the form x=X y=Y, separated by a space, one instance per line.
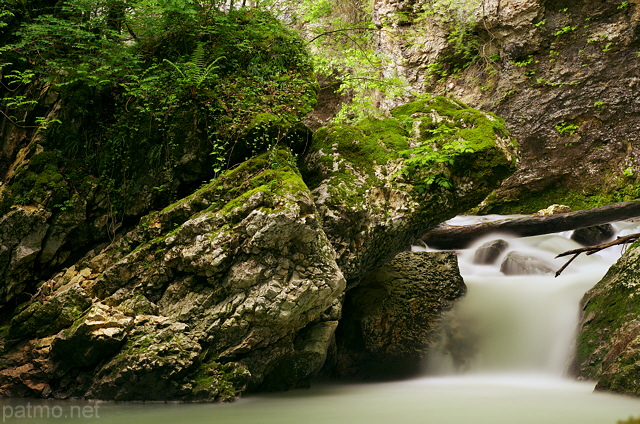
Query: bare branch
x=590 y=250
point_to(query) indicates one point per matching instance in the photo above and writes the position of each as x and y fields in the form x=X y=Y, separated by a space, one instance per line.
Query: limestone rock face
x=392 y=318
x=564 y=76
x=200 y=300
x=379 y=184
x=609 y=339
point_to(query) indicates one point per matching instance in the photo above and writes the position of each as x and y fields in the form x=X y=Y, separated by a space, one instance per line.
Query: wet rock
x=609 y=338
x=392 y=318
x=489 y=252
x=517 y=263
x=596 y=234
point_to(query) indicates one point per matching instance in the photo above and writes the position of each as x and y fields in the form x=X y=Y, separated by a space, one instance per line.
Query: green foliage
x=140 y=83
x=342 y=40
x=460 y=17
x=565 y=30
x=623 y=5
x=525 y=62
x=196 y=72
x=566 y=128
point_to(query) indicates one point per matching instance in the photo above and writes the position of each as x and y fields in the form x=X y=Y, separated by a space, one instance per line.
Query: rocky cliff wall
x=564 y=75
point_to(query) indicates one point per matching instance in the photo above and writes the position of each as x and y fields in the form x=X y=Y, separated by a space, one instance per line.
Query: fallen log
x=458 y=237
x=590 y=250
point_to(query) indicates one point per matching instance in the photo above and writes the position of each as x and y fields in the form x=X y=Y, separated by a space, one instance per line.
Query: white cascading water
x=519 y=324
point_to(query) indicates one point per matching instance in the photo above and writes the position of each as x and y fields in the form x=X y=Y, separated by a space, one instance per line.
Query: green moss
x=222 y=382
x=39 y=182
x=581 y=198
x=612 y=304
x=45 y=318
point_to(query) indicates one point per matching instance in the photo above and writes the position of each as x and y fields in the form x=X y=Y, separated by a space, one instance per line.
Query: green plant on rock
x=599 y=105
x=444 y=144
x=139 y=89
x=196 y=71
x=566 y=128
x=565 y=30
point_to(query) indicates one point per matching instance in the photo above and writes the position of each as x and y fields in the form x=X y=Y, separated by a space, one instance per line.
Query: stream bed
x=511 y=364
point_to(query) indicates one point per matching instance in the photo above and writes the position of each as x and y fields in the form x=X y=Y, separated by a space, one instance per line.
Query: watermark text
x=29 y=411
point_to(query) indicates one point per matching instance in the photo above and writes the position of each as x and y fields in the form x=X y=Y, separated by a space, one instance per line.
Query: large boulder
x=379 y=184
x=608 y=349
x=208 y=296
x=393 y=317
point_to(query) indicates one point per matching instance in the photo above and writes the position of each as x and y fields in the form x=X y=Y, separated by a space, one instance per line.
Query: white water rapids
x=512 y=358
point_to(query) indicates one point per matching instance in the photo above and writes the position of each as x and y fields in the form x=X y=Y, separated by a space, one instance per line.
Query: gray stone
x=489 y=252
x=392 y=318
x=608 y=349
x=596 y=234
x=516 y=263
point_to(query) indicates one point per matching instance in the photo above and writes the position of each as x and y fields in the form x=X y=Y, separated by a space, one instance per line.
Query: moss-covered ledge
x=379 y=184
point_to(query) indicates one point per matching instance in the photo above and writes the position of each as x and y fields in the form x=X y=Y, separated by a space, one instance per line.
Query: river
x=519 y=341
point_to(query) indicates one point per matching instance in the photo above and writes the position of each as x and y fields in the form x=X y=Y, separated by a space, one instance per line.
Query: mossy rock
x=381 y=183
x=220 y=382
x=608 y=348
x=45 y=317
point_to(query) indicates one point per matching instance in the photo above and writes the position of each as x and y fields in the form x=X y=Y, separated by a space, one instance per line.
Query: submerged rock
x=489 y=252
x=517 y=263
x=393 y=317
x=608 y=348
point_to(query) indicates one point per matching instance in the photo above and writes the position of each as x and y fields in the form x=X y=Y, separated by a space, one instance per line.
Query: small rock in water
x=593 y=235
x=553 y=209
x=520 y=264
x=489 y=252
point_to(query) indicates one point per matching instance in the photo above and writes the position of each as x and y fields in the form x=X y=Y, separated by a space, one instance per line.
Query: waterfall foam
x=518 y=324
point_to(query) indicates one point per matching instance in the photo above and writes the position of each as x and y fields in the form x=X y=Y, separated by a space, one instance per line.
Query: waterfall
x=518 y=325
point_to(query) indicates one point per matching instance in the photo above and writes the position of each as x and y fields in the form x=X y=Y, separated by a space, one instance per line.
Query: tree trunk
x=458 y=237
